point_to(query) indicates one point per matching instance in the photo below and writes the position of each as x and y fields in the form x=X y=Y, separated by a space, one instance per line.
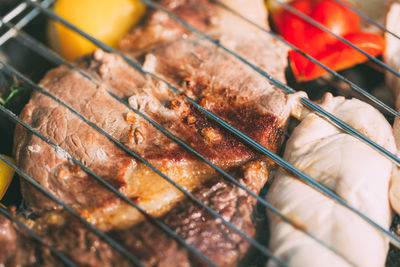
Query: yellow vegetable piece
x=106 y=20
x=6 y=175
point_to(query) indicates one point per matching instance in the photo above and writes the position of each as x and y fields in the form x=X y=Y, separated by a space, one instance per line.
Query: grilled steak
x=200 y=70
x=251 y=115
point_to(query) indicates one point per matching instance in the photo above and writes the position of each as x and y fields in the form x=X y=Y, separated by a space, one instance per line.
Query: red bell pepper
x=318 y=43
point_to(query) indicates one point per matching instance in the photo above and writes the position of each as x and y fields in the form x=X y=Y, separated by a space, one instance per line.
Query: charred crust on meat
x=211 y=135
x=130 y=117
x=197 y=88
x=174 y=104
x=190 y=119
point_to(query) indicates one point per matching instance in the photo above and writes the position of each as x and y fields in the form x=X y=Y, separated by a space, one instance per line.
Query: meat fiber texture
x=348 y=167
x=392 y=59
x=215 y=80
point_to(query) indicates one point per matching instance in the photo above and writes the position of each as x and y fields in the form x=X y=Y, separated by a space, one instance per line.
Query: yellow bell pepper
x=6 y=175
x=106 y=20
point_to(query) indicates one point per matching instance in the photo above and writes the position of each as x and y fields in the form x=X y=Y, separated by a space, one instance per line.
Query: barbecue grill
x=28 y=12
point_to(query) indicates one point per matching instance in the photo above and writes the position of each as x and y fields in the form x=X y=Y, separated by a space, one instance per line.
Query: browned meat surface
x=147 y=242
x=199 y=228
x=213 y=78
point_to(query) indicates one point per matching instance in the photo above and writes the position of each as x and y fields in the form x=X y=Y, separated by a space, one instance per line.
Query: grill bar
x=320 y=26
x=382 y=106
x=393 y=239
x=50 y=55
x=22 y=226
x=31 y=181
x=15 y=12
x=24 y=21
x=11 y=15
x=367 y=18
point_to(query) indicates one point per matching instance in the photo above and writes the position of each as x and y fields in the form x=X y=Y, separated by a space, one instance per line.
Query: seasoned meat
x=353 y=170
x=215 y=80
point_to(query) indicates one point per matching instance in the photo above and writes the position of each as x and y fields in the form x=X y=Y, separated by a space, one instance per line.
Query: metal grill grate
x=14 y=30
